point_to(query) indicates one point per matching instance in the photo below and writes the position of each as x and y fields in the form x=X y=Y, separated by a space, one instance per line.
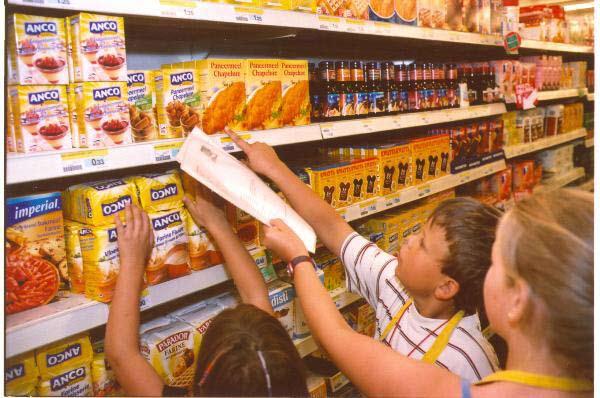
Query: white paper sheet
x=232 y=180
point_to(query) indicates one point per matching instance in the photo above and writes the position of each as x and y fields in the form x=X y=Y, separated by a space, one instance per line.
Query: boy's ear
x=447 y=289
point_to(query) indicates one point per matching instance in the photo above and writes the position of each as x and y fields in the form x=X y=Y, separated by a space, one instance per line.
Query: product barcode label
x=249 y=14
x=392 y=200
x=145 y=300
x=327 y=130
x=228 y=146
x=368 y=207
x=88 y=161
x=329 y=23
x=423 y=190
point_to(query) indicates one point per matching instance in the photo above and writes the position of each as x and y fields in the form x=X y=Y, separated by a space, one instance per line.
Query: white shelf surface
x=558 y=94
x=342 y=299
x=561 y=180
x=22 y=168
x=521 y=149
x=385 y=123
x=410 y=194
x=34 y=328
x=559 y=47
x=589 y=142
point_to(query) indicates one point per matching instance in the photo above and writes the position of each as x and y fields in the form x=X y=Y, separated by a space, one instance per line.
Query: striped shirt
x=370 y=272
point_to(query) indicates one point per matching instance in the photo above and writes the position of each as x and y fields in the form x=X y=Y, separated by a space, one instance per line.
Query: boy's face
x=420 y=261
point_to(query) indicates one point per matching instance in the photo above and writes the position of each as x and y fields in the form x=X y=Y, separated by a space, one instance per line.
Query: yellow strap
x=488 y=333
x=541 y=381
x=443 y=338
x=440 y=342
x=395 y=319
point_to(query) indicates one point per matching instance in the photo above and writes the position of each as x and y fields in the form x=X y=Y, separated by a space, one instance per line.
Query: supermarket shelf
x=384 y=123
x=561 y=180
x=47 y=165
x=342 y=299
x=407 y=195
x=30 y=329
x=558 y=94
x=556 y=47
x=589 y=143
x=521 y=149
x=587 y=186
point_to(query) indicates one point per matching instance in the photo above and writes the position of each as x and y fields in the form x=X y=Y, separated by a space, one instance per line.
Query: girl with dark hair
x=245 y=352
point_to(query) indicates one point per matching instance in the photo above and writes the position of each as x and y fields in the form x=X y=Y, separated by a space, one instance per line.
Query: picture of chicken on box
x=295 y=103
x=263 y=95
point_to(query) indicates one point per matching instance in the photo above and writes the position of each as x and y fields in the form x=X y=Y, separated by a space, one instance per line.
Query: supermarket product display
x=70 y=87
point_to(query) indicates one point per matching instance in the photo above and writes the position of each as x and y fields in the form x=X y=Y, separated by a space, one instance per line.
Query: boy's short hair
x=470 y=230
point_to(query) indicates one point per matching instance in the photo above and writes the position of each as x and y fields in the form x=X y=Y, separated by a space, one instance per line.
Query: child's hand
x=135 y=238
x=261 y=157
x=283 y=241
x=204 y=211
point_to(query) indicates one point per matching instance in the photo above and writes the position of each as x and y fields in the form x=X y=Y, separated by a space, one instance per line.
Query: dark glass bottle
x=487 y=86
x=401 y=73
x=359 y=89
x=330 y=100
x=440 y=86
x=497 y=95
x=415 y=80
x=314 y=88
x=428 y=91
x=452 y=86
x=346 y=98
x=390 y=88
x=377 y=102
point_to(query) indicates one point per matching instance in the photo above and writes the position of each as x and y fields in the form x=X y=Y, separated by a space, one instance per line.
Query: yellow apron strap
x=541 y=381
x=443 y=338
x=488 y=333
x=395 y=319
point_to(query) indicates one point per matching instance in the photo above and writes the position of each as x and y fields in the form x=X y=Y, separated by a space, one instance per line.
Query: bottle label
x=331 y=106
x=452 y=98
x=403 y=101
x=423 y=99
x=377 y=102
x=413 y=100
x=316 y=108
x=347 y=104
x=393 y=101
x=488 y=95
x=442 y=98
x=361 y=103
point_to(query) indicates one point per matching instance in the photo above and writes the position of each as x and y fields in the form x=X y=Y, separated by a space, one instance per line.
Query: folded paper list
x=208 y=163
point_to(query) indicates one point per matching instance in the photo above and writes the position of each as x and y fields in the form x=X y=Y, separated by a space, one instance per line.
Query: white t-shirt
x=370 y=272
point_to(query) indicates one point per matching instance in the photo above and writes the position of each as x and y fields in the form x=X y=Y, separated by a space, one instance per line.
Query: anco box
x=37 y=50
x=141 y=96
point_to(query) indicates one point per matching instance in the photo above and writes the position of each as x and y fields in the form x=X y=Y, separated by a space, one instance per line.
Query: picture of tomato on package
x=36 y=265
x=37 y=50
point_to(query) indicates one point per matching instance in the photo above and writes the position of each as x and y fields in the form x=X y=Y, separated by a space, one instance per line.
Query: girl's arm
x=374 y=368
x=132 y=371
x=238 y=262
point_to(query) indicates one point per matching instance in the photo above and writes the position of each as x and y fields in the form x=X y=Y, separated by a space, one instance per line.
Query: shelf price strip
x=249 y=14
x=85 y=161
x=178 y=9
x=166 y=152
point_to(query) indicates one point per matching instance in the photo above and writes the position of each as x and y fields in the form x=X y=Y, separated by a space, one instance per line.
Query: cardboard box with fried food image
x=35 y=259
x=263 y=94
x=223 y=94
x=178 y=99
x=295 y=105
x=141 y=96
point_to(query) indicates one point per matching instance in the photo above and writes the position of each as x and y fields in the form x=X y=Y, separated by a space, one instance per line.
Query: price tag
x=327 y=130
x=465 y=177
x=423 y=190
x=383 y=28
x=228 y=145
x=59 y=2
x=145 y=302
x=367 y=126
x=355 y=26
x=166 y=152
x=329 y=23
x=368 y=207
x=178 y=8
x=391 y=200
x=85 y=161
x=249 y=14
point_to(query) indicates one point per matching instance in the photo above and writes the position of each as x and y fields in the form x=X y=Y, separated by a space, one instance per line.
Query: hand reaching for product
x=262 y=158
x=203 y=209
x=135 y=238
x=283 y=241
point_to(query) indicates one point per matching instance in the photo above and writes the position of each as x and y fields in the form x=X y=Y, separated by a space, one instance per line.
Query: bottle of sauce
x=472 y=85
x=452 y=86
x=359 y=90
x=314 y=88
x=401 y=72
x=330 y=100
x=377 y=101
x=346 y=95
x=441 y=86
x=415 y=91
x=390 y=88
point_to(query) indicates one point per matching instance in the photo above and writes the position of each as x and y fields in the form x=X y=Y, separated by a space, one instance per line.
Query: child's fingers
x=120 y=227
x=129 y=218
x=237 y=140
